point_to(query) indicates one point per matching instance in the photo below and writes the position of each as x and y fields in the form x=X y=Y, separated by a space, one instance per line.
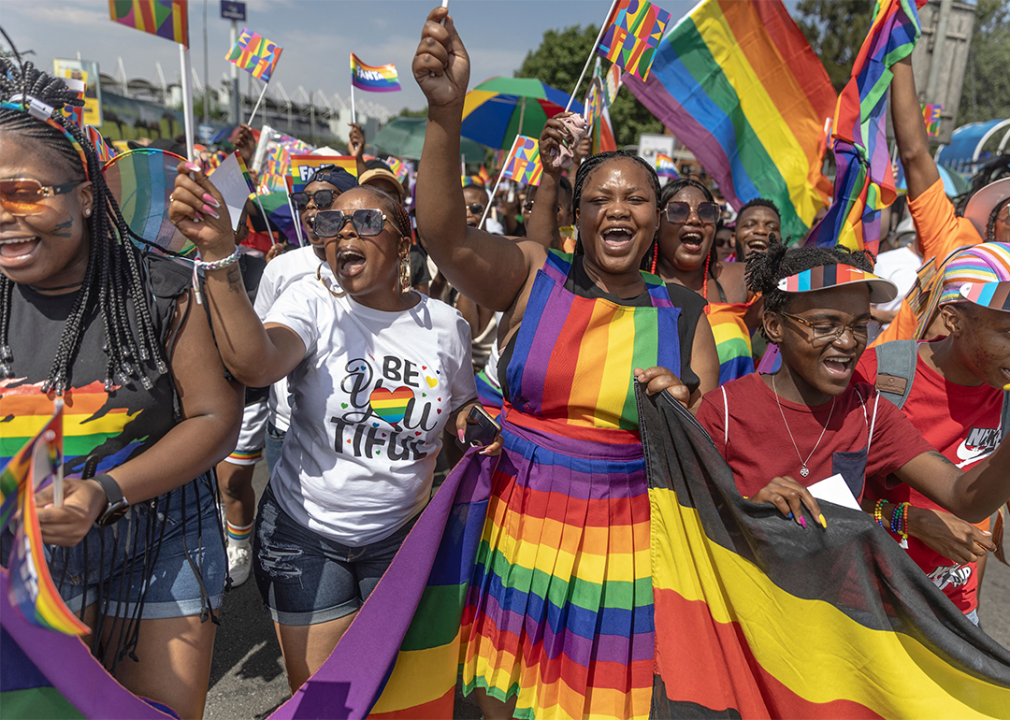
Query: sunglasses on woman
x=322 y=198
x=366 y=223
x=679 y=212
x=24 y=196
x=475 y=209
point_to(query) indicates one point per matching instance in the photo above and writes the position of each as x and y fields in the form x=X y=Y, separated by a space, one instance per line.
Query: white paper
x=231 y=183
x=835 y=490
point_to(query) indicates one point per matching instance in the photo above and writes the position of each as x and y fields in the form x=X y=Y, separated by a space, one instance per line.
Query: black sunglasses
x=475 y=208
x=322 y=198
x=679 y=212
x=366 y=223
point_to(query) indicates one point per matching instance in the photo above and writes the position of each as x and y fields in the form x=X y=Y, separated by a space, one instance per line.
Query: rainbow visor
x=829 y=276
x=993 y=295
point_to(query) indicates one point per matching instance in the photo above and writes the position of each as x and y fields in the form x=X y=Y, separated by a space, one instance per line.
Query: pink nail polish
x=210 y=211
x=803 y=522
x=209 y=199
x=197 y=217
x=461 y=435
x=193 y=167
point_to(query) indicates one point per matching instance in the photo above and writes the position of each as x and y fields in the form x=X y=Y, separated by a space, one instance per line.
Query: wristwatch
x=117 y=505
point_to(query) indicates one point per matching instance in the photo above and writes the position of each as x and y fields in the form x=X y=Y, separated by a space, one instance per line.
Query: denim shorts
x=168 y=551
x=306 y=578
x=274 y=445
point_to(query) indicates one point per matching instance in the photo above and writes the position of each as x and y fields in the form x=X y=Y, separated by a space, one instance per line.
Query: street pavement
x=247 y=679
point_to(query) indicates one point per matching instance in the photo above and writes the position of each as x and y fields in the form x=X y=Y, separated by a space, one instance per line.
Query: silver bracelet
x=215 y=265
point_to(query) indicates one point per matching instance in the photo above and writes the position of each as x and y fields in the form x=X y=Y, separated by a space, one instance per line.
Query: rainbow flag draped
x=380 y=78
x=634 y=29
x=739 y=85
x=864 y=184
x=255 y=54
x=167 y=19
x=755 y=616
x=524 y=164
x=665 y=167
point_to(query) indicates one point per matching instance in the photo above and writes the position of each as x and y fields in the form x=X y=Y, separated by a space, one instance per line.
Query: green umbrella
x=403 y=137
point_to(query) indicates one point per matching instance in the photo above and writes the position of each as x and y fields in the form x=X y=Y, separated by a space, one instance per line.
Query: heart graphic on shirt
x=432 y=382
x=424 y=367
x=343 y=405
x=417 y=433
x=391 y=405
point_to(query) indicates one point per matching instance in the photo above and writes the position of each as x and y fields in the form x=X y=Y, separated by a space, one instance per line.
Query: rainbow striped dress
x=732 y=338
x=560 y=606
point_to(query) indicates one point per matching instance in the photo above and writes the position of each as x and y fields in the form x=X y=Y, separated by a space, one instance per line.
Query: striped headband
x=829 y=276
x=41 y=111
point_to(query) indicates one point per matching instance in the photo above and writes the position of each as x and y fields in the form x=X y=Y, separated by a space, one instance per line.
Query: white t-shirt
x=370 y=401
x=279 y=274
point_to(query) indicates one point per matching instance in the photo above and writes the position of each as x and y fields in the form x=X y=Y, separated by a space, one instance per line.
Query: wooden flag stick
x=603 y=29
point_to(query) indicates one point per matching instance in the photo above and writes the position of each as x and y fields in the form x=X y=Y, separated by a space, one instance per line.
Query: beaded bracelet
x=878 y=513
x=904 y=525
x=215 y=265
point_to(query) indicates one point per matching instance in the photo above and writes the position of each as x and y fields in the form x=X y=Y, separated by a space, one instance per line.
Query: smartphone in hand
x=481 y=429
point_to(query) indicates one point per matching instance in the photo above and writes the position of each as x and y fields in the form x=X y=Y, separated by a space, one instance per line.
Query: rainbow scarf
x=739 y=85
x=865 y=183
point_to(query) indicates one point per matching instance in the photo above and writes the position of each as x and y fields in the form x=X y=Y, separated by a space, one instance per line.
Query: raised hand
x=356 y=141
x=245 y=145
x=198 y=210
x=553 y=137
x=441 y=64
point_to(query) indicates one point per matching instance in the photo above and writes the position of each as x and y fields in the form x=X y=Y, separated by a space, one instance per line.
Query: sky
x=316 y=35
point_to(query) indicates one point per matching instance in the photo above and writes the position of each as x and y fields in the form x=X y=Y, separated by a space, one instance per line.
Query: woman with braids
x=781 y=433
x=87 y=317
x=376 y=371
x=559 y=613
x=686 y=254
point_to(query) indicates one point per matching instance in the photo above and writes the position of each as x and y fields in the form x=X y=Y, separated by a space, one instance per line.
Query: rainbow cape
x=864 y=184
x=255 y=54
x=380 y=78
x=755 y=616
x=739 y=85
x=167 y=19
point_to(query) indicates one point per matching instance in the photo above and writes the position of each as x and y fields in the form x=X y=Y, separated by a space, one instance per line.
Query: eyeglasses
x=321 y=198
x=25 y=196
x=475 y=209
x=679 y=212
x=724 y=242
x=528 y=205
x=367 y=223
x=825 y=333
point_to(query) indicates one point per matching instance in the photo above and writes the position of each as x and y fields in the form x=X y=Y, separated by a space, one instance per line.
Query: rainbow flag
x=864 y=184
x=524 y=164
x=399 y=167
x=612 y=83
x=102 y=148
x=665 y=166
x=634 y=29
x=732 y=339
x=380 y=78
x=739 y=85
x=602 y=130
x=304 y=166
x=594 y=102
x=167 y=19
x=255 y=54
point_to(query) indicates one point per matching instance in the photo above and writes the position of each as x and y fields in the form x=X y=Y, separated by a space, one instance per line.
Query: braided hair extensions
x=990 y=226
x=113 y=272
x=764 y=270
x=595 y=162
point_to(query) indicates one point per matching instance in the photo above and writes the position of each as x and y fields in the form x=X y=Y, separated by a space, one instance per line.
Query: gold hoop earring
x=319 y=277
x=404 y=279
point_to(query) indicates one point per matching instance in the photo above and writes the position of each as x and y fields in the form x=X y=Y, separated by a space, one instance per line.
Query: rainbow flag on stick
x=167 y=19
x=255 y=54
x=380 y=78
x=665 y=167
x=634 y=30
x=524 y=165
x=865 y=182
x=399 y=167
x=304 y=166
x=739 y=85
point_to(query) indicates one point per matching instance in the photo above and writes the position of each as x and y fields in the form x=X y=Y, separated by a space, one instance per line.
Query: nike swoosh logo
x=967 y=457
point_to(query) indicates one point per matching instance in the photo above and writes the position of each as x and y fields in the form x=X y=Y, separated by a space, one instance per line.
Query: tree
x=558 y=62
x=835 y=30
x=407 y=112
x=986 y=91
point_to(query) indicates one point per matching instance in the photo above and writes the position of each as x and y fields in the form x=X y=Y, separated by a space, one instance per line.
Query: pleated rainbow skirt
x=560 y=608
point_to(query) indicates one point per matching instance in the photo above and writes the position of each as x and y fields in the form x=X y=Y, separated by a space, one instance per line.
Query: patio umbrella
x=403 y=137
x=500 y=108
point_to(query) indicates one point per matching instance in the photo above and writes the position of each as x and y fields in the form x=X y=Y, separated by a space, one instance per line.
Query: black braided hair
x=764 y=270
x=996 y=169
x=594 y=163
x=990 y=227
x=113 y=272
x=760 y=202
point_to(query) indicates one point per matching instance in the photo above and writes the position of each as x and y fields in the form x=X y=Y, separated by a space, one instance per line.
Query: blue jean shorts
x=306 y=578
x=167 y=552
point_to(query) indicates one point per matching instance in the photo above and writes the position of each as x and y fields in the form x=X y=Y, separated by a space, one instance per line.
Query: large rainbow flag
x=167 y=19
x=739 y=85
x=865 y=182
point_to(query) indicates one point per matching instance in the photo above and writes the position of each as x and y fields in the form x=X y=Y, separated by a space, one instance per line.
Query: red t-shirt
x=962 y=423
x=759 y=447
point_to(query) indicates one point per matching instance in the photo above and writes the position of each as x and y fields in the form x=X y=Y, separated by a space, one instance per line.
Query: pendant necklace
x=804 y=470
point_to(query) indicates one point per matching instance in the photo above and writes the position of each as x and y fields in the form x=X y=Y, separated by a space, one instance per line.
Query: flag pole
x=187 y=100
x=354 y=114
x=257 y=106
x=603 y=29
x=498 y=182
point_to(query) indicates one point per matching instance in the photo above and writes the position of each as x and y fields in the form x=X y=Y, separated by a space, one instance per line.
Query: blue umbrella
x=500 y=108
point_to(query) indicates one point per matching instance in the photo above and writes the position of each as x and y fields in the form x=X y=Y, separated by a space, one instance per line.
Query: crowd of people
x=362 y=362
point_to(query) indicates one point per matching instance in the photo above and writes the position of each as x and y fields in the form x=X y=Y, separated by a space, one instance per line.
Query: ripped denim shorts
x=306 y=578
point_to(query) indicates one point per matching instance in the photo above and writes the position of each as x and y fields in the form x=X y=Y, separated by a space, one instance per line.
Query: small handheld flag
x=167 y=19
x=665 y=167
x=255 y=54
x=524 y=166
x=303 y=167
x=634 y=30
x=381 y=78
